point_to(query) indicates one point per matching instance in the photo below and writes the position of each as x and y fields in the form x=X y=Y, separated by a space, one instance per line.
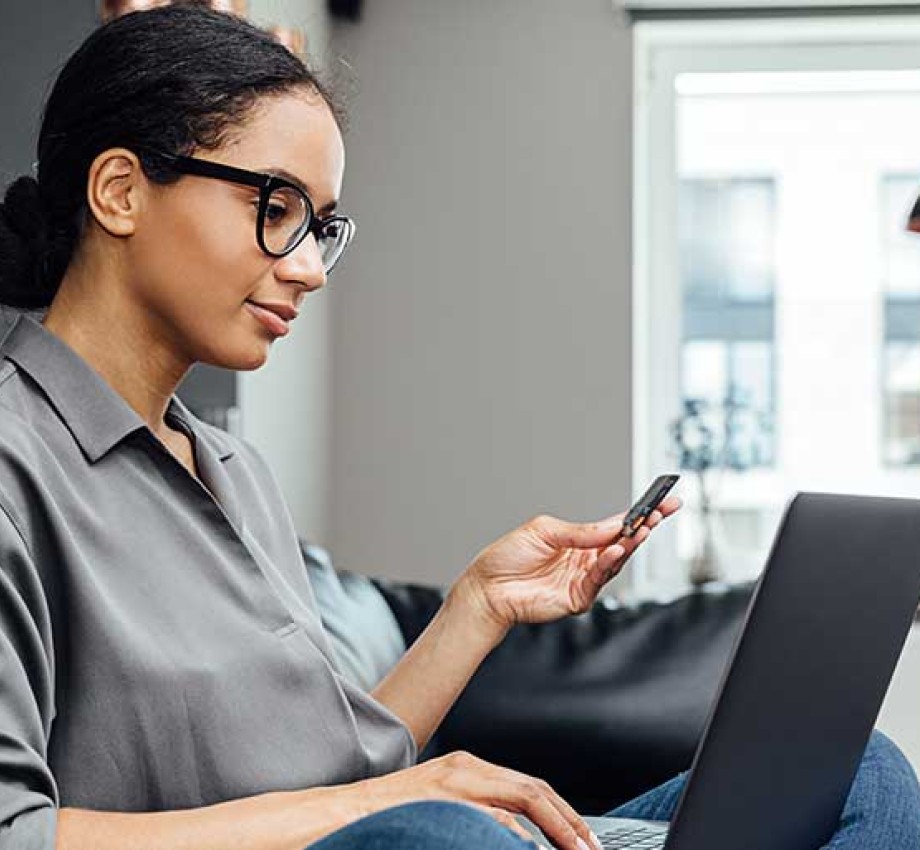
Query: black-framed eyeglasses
x=285 y=216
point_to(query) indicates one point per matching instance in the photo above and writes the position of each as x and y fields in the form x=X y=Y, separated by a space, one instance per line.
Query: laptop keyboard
x=634 y=836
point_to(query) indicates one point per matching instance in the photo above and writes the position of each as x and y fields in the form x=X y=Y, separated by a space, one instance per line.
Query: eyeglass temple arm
x=204 y=168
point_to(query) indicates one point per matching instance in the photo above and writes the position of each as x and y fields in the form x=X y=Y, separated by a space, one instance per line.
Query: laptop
x=809 y=671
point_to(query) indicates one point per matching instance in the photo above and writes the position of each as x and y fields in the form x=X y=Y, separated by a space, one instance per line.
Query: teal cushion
x=364 y=633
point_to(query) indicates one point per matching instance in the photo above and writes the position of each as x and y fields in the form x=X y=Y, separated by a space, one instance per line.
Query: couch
x=603 y=705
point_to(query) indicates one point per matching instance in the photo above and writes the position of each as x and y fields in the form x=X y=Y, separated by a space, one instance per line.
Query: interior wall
x=480 y=324
x=284 y=405
x=309 y=15
x=35 y=39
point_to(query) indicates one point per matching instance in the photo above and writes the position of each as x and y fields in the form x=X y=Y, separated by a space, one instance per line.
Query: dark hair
x=175 y=78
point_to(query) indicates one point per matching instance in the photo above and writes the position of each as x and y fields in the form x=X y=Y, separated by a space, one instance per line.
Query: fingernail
x=597 y=841
x=581 y=843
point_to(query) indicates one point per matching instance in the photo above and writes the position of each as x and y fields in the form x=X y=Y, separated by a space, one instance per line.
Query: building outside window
x=727 y=257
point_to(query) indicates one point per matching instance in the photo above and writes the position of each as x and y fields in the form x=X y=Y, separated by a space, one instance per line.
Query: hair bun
x=25 y=246
x=24 y=211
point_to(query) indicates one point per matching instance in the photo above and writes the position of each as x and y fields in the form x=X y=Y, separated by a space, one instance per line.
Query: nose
x=304 y=266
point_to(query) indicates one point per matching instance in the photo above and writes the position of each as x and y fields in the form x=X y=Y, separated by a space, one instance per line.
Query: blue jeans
x=882 y=812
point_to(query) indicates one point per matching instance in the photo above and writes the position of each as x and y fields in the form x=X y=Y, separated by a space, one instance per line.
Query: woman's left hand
x=549 y=568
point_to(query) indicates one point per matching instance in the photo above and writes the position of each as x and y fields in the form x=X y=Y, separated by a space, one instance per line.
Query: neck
x=94 y=314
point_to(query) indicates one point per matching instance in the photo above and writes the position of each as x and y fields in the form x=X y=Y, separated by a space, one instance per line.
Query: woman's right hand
x=293 y=819
x=499 y=791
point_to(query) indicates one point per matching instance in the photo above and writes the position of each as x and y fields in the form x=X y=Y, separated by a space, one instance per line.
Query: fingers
x=625 y=546
x=596 y=535
x=612 y=559
x=508 y=791
x=654 y=518
x=507 y=819
x=670 y=505
x=605 y=568
x=536 y=799
x=594 y=581
x=572 y=535
x=502 y=792
x=575 y=821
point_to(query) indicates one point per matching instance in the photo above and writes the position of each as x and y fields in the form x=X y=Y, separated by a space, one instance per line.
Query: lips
x=273 y=316
x=285 y=311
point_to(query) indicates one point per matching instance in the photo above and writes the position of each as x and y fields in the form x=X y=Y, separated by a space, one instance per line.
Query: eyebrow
x=293 y=178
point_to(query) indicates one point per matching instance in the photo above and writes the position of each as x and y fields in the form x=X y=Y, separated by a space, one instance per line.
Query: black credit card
x=647 y=503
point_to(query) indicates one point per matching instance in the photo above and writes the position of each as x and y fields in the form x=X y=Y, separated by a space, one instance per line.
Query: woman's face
x=194 y=255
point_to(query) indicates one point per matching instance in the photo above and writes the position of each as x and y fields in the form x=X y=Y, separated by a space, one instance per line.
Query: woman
x=165 y=679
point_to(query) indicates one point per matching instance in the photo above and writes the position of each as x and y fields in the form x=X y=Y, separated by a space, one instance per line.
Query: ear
x=115 y=190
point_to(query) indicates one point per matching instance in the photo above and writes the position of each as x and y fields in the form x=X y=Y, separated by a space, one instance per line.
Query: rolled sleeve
x=28 y=791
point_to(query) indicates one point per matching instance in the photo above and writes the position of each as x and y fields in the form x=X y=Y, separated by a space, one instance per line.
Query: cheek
x=195 y=264
x=203 y=249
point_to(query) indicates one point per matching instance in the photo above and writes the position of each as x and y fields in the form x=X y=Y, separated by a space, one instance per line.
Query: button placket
x=269 y=605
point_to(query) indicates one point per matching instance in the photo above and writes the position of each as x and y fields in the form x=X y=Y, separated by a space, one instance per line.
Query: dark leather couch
x=604 y=705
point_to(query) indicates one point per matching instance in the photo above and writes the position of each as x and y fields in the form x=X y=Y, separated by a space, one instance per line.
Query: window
x=727 y=265
x=774 y=170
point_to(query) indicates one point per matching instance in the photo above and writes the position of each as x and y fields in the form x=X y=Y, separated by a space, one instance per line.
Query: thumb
x=574 y=535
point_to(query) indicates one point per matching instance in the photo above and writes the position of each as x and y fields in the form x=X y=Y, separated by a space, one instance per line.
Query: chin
x=254 y=359
x=245 y=357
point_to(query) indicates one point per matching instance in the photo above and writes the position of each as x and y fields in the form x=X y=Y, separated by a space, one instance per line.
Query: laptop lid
x=808 y=675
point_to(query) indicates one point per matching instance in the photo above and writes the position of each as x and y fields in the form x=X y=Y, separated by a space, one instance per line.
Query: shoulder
x=23 y=416
x=24 y=447
x=22 y=454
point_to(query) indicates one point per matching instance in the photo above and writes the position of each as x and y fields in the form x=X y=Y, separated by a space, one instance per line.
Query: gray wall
x=35 y=39
x=480 y=325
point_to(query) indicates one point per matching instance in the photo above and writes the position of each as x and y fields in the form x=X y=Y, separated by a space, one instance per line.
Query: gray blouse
x=160 y=644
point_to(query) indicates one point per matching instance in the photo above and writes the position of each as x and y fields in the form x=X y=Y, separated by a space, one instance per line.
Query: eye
x=332 y=229
x=275 y=212
x=284 y=208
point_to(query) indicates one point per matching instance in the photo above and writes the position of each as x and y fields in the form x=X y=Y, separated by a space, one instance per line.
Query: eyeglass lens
x=333 y=238
x=286 y=220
